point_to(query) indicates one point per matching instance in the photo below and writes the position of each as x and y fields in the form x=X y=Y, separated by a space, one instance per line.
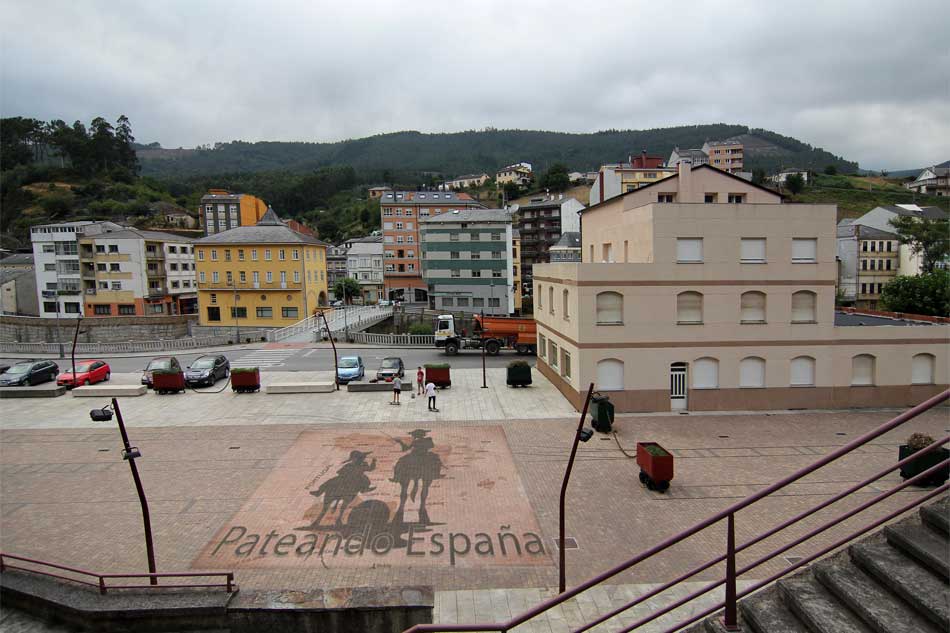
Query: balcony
x=154 y=255
x=90 y=291
x=160 y=291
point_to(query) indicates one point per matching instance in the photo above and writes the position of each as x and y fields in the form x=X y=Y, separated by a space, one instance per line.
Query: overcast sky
x=866 y=80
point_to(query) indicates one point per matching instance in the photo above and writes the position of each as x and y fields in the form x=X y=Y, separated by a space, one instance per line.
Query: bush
x=919 y=441
x=421 y=328
x=243 y=370
x=436 y=365
x=518 y=363
x=927 y=294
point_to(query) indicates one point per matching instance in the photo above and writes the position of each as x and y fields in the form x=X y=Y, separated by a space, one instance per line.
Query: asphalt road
x=317 y=359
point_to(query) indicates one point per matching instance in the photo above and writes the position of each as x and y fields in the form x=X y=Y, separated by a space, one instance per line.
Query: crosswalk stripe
x=266 y=357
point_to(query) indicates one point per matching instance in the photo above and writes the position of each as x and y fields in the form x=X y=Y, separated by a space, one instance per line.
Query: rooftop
x=269 y=230
x=427 y=197
x=848 y=319
x=571 y=239
x=470 y=215
x=544 y=203
x=129 y=233
x=17 y=259
x=914 y=211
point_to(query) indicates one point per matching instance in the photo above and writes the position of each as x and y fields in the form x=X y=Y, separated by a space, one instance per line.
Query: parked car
x=166 y=363
x=389 y=368
x=29 y=372
x=207 y=370
x=87 y=373
x=350 y=368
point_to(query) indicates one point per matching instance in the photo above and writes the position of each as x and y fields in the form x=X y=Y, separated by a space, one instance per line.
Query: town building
x=517 y=285
x=725 y=155
x=519 y=173
x=868 y=258
x=695 y=157
x=265 y=275
x=336 y=267
x=567 y=249
x=879 y=218
x=364 y=263
x=222 y=210
x=17 y=262
x=467 y=261
x=704 y=292
x=56 y=265
x=294 y=225
x=617 y=178
x=401 y=213
x=171 y=215
x=466 y=181
x=932 y=181
x=133 y=272
x=375 y=193
x=540 y=224
x=782 y=176
x=18 y=292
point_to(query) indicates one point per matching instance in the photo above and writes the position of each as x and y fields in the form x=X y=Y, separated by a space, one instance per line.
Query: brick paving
x=67 y=496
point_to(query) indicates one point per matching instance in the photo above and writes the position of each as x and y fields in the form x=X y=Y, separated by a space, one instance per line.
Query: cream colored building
x=519 y=173
x=705 y=292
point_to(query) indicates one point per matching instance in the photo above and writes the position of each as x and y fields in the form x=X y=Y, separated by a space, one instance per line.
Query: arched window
x=705 y=373
x=862 y=370
x=689 y=307
x=564 y=297
x=752 y=372
x=803 y=307
x=752 y=307
x=610 y=375
x=609 y=307
x=551 y=299
x=923 y=369
x=803 y=372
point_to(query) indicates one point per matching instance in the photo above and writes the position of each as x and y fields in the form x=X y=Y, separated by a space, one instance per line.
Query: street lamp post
x=582 y=435
x=336 y=373
x=237 y=324
x=482 y=336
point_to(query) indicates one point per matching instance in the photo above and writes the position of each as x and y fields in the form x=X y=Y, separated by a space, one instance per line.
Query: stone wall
x=96 y=329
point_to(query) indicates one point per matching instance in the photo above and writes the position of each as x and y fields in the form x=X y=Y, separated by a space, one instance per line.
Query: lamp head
x=585 y=434
x=101 y=415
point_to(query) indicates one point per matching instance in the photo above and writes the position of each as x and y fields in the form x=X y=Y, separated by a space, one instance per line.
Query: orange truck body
x=514 y=330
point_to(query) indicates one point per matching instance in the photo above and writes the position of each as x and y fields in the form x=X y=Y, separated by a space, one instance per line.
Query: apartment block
x=540 y=224
x=467 y=261
x=516 y=282
x=336 y=267
x=868 y=259
x=401 y=213
x=221 y=210
x=725 y=155
x=639 y=171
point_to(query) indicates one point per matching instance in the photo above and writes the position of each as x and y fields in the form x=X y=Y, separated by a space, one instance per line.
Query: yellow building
x=222 y=210
x=265 y=275
x=516 y=268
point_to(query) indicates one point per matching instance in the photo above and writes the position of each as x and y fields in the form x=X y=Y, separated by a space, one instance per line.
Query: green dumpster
x=601 y=413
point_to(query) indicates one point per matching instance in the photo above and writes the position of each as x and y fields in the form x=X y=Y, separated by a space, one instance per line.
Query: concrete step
x=880 y=609
x=922 y=543
x=109 y=391
x=764 y=612
x=937 y=515
x=821 y=613
x=51 y=390
x=918 y=586
x=301 y=387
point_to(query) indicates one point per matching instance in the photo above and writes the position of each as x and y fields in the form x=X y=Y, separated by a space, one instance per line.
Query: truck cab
x=445 y=330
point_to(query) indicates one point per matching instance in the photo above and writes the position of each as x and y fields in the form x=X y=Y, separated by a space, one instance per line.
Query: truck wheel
x=492 y=348
x=521 y=349
x=451 y=349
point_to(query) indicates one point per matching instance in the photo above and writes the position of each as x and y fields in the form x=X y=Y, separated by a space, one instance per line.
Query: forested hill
x=449 y=155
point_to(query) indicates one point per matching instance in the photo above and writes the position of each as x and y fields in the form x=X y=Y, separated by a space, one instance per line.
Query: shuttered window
x=923 y=369
x=752 y=308
x=803 y=307
x=752 y=372
x=803 y=372
x=752 y=250
x=706 y=373
x=804 y=249
x=862 y=370
x=689 y=307
x=610 y=375
x=689 y=249
x=609 y=307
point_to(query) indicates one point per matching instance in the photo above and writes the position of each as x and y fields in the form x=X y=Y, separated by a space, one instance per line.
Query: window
x=214 y=277
x=100 y=267
x=551 y=299
x=494 y=303
x=456 y=273
x=240 y=254
x=665 y=197
x=496 y=254
x=542 y=345
x=214 y=254
x=804 y=250
x=201 y=256
x=227 y=254
x=495 y=236
x=454 y=255
x=475 y=255
x=752 y=250
x=565 y=363
x=607 y=253
x=242 y=276
x=254 y=254
x=289 y=313
x=564 y=310
x=803 y=307
x=803 y=372
x=126 y=309
x=448 y=302
x=462 y=302
x=265 y=313
x=117 y=285
x=269 y=276
x=710 y=198
x=201 y=276
x=689 y=250
x=103 y=285
x=736 y=198
x=114 y=268
x=473 y=236
x=552 y=354
x=296 y=276
x=752 y=307
x=752 y=372
x=214 y=298
x=100 y=248
x=478 y=302
x=113 y=248
x=922 y=369
x=705 y=373
x=540 y=295
x=214 y=313
x=864 y=247
x=454 y=237
x=173 y=266
x=609 y=308
x=862 y=370
x=476 y=273
x=496 y=273
x=610 y=375
x=238 y=313
x=887 y=264
x=689 y=307
x=101 y=310
x=864 y=289
x=864 y=264
x=50 y=306
x=295 y=254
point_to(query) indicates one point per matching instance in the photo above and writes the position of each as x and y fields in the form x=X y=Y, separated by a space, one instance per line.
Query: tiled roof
x=433 y=198
x=571 y=239
x=269 y=230
x=469 y=215
x=128 y=233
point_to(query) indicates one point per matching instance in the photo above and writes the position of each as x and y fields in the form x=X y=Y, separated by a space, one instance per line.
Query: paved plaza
x=344 y=490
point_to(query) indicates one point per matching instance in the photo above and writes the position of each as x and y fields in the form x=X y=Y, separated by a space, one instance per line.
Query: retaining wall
x=94 y=329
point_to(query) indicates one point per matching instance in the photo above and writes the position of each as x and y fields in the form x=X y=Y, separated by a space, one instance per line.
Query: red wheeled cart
x=656 y=466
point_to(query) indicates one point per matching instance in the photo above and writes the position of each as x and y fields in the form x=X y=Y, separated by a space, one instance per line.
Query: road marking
x=265 y=358
x=309 y=353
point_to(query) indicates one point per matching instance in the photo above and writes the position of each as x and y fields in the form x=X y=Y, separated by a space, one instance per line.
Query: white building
x=364 y=263
x=880 y=218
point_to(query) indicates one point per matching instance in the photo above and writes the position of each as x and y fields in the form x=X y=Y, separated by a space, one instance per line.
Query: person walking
x=420 y=381
x=397 y=389
x=430 y=394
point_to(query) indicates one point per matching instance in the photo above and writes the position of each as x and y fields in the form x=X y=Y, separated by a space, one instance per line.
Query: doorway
x=678 y=387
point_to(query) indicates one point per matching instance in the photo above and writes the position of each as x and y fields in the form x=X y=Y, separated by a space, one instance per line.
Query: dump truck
x=495 y=333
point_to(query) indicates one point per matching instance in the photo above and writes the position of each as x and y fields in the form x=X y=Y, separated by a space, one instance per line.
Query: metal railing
x=87 y=349
x=729 y=556
x=227 y=584
x=355 y=317
x=394 y=340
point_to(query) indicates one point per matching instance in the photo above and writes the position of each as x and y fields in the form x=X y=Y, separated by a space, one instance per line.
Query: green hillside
x=408 y=156
x=856 y=195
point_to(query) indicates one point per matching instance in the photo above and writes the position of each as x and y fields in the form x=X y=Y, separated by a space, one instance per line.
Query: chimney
x=643 y=158
x=683 y=181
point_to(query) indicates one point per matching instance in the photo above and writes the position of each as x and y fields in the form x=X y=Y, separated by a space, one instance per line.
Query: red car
x=87 y=373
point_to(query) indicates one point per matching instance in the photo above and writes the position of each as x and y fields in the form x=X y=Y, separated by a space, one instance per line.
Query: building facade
x=725 y=305
x=137 y=273
x=932 y=181
x=638 y=171
x=517 y=285
x=879 y=218
x=540 y=224
x=467 y=261
x=868 y=259
x=466 y=181
x=18 y=293
x=402 y=212
x=519 y=173
x=695 y=157
x=265 y=275
x=725 y=155
x=364 y=263
x=221 y=210
x=336 y=267
x=567 y=249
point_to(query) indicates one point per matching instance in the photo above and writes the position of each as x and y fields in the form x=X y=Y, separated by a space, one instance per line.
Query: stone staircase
x=895 y=581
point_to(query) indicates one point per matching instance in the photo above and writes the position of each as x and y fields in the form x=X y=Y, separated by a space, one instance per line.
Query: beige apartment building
x=704 y=292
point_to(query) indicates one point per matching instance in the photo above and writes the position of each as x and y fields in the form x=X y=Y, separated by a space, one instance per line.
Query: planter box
x=656 y=465
x=519 y=376
x=246 y=381
x=440 y=376
x=925 y=462
x=168 y=382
